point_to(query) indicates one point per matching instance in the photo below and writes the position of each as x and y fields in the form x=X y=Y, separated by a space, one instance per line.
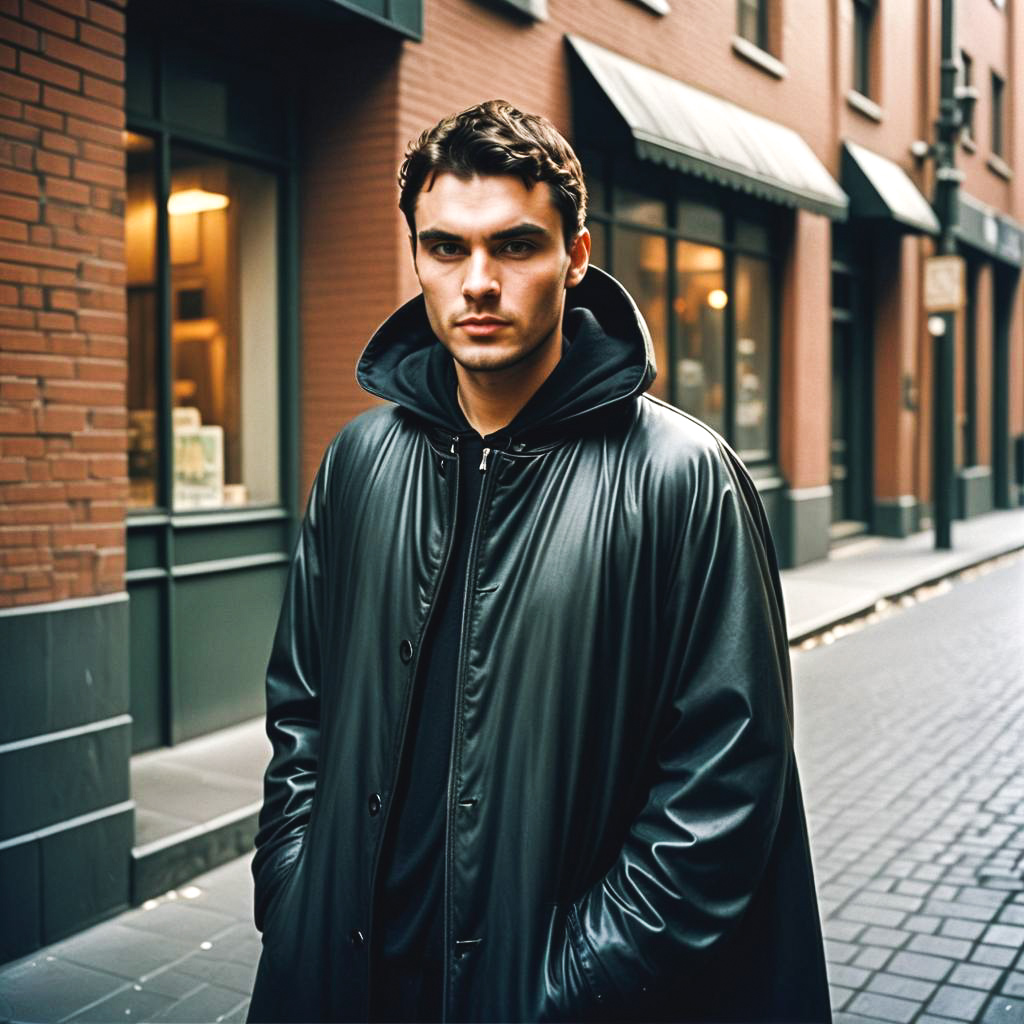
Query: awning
x=990 y=231
x=684 y=128
x=880 y=188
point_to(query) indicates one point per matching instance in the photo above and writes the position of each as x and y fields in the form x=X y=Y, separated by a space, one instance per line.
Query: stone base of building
x=67 y=826
x=974 y=491
x=897 y=517
x=806 y=515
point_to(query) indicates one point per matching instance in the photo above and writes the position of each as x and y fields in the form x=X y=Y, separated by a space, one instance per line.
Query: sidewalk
x=859 y=574
x=190 y=955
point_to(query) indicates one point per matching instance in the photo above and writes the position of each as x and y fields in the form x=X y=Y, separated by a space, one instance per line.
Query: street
x=911 y=742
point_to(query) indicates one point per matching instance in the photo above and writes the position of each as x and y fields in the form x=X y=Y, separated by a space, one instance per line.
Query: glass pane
x=754 y=319
x=752 y=237
x=700 y=304
x=641 y=264
x=598 y=243
x=750 y=21
x=700 y=222
x=141 y=286
x=223 y=244
x=642 y=209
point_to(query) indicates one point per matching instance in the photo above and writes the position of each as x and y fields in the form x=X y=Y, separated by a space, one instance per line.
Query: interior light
x=195 y=200
x=717 y=299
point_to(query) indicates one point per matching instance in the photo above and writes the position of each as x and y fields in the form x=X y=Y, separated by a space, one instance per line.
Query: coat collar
x=609 y=360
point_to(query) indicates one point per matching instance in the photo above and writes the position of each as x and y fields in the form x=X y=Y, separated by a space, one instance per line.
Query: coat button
x=405 y=651
x=356 y=937
x=374 y=803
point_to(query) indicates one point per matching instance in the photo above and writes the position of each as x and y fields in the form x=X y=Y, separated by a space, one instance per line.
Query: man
x=529 y=695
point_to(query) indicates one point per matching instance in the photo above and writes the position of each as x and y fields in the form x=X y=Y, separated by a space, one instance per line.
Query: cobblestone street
x=911 y=742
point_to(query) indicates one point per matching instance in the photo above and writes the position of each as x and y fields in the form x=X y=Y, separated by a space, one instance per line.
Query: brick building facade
x=199 y=231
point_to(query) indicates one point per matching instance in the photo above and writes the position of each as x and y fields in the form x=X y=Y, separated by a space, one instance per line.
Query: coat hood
x=608 y=359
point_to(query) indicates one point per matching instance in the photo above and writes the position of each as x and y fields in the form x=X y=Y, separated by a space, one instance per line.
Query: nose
x=481 y=282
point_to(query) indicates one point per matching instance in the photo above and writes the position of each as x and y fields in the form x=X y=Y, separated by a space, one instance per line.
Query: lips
x=481 y=326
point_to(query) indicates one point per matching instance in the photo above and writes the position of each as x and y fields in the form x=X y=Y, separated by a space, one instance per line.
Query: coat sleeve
x=693 y=856
x=293 y=708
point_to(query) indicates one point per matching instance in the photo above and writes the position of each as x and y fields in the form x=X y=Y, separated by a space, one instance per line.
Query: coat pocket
x=282 y=892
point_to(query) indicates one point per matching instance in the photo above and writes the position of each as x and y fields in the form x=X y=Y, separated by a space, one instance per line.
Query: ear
x=579 y=258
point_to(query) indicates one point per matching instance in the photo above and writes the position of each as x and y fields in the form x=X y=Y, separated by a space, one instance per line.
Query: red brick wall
x=63 y=467
x=350 y=244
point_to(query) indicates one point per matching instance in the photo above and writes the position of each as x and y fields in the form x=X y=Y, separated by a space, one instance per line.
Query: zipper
x=474 y=542
x=449 y=544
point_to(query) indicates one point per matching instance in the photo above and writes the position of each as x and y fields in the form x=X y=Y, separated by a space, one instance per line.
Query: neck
x=491 y=399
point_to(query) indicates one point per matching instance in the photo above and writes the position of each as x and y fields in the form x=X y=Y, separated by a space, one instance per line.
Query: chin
x=484 y=361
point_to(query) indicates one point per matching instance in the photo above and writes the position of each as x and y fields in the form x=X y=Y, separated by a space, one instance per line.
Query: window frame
x=865 y=18
x=967 y=80
x=997 y=98
x=283 y=166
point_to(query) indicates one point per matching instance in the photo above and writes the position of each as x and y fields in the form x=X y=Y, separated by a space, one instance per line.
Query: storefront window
x=222 y=331
x=223 y=245
x=753 y=357
x=641 y=264
x=701 y=269
x=700 y=305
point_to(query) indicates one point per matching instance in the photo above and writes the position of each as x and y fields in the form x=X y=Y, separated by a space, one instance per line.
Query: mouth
x=481 y=326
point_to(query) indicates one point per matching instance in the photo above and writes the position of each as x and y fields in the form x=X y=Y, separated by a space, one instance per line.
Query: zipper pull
x=455 y=444
x=483 y=461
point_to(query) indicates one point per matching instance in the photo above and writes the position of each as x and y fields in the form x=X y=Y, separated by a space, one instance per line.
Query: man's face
x=491 y=259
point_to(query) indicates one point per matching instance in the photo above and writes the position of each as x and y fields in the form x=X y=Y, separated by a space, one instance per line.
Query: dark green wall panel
x=44 y=783
x=224 y=625
x=148 y=664
x=85 y=873
x=20 y=910
x=210 y=543
x=63 y=666
x=145 y=546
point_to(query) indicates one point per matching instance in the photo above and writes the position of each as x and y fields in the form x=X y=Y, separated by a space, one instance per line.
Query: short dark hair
x=496 y=138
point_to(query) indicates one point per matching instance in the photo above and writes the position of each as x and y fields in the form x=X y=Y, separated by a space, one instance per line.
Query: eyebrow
x=516 y=231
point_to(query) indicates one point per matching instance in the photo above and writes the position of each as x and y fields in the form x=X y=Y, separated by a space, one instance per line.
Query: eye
x=446 y=250
x=518 y=247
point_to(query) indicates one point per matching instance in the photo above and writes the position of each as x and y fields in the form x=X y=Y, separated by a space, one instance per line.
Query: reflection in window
x=222 y=225
x=700 y=304
x=863 y=31
x=752 y=22
x=223 y=247
x=143 y=359
x=967 y=80
x=753 y=356
x=998 y=114
x=640 y=208
x=641 y=264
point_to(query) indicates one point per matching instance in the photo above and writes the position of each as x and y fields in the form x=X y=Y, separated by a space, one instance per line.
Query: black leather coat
x=625 y=837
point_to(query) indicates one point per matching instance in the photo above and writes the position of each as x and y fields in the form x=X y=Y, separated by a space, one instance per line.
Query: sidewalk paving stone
x=959 y=1003
x=905 y=988
x=917 y=965
x=976 y=976
x=889 y=1008
x=1002 y=1010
